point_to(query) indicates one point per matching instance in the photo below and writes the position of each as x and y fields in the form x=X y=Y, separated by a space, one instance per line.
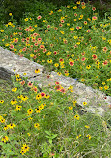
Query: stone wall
x=11 y=64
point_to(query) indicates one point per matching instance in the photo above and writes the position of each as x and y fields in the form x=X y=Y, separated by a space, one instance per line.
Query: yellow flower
x=31 y=55
x=41 y=107
x=59 y=10
x=35 y=25
x=20 y=96
x=84 y=103
x=83 y=7
x=78 y=136
x=22 y=152
x=71 y=29
x=78 y=2
x=6 y=127
x=59 y=73
x=49 y=61
x=87 y=126
x=88 y=19
x=29 y=111
x=75 y=37
x=13 y=25
x=62 y=65
x=5 y=139
x=37 y=125
x=82 y=80
x=37 y=110
x=1 y=117
x=25 y=148
x=100 y=88
x=56 y=64
x=68 y=24
x=1 y=101
x=26 y=19
x=103 y=38
x=66 y=74
x=76 y=117
x=30 y=118
x=6 y=44
x=13 y=102
x=74 y=103
x=24 y=98
x=62 y=32
x=49 y=53
x=75 y=7
x=88 y=67
x=17 y=75
x=10 y=14
x=14 y=89
x=29 y=134
x=68 y=6
x=106 y=87
x=51 y=11
x=75 y=19
x=47 y=96
x=11 y=126
x=10 y=23
x=38 y=97
x=24 y=74
x=70 y=108
x=37 y=71
x=2 y=30
x=81 y=16
x=62 y=18
x=2 y=120
x=78 y=43
x=103 y=83
x=88 y=136
x=18 y=108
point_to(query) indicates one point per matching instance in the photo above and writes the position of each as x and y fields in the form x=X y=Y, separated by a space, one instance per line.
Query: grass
x=73 y=41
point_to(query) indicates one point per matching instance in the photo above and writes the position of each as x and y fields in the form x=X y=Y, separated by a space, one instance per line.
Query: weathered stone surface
x=5 y=73
x=94 y=98
x=21 y=65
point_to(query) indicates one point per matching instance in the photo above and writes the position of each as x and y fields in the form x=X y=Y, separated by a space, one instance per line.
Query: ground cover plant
x=75 y=42
x=48 y=124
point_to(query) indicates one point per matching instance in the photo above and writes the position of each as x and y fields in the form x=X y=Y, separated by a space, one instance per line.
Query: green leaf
x=48 y=136
x=50 y=141
x=47 y=132
x=54 y=136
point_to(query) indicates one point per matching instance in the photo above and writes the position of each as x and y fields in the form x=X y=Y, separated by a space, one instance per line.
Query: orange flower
x=42 y=46
x=105 y=63
x=94 y=18
x=30 y=84
x=71 y=63
x=93 y=8
x=94 y=56
x=104 y=49
x=22 y=82
x=39 y=17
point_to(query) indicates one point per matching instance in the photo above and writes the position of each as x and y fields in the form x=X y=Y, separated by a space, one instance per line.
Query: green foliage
x=54 y=124
x=11 y=6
